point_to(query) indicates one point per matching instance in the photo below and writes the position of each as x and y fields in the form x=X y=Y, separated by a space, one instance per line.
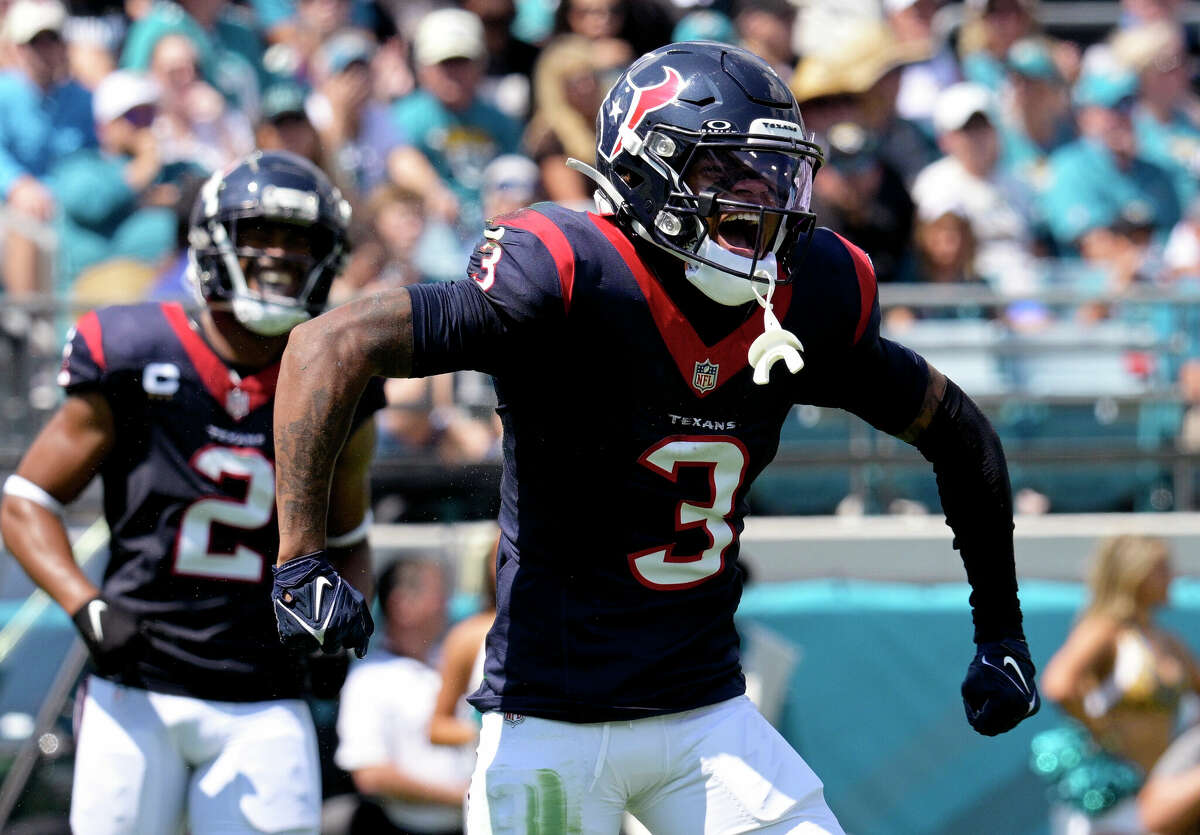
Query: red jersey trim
x=677 y=332
x=866 y=285
x=547 y=231
x=259 y=387
x=88 y=327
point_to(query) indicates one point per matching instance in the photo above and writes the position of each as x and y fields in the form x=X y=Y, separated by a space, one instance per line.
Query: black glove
x=316 y=608
x=999 y=690
x=112 y=633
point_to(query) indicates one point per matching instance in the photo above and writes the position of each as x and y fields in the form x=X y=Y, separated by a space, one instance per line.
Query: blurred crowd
x=965 y=145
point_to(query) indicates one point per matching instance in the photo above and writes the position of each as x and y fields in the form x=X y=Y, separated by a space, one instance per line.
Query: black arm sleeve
x=972 y=479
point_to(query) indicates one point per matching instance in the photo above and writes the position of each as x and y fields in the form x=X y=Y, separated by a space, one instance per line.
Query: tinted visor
x=772 y=179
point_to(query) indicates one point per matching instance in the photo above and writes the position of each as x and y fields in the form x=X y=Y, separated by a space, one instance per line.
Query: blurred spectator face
x=34 y=28
x=399 y=223
x=357 y=79
x=290 y=132
x=974 y=145
x=946 y=246
x=1112 y=127
x=595 y=18
x=822 y=113
x=416 y=609
x=205 y=11
x=1037 y=96
x=911 y=20
x=853 y=173
x=449 y=50
x=878 y=103
x=296 y=134
x=497 y=17
x=1165 y=81
x=1006 y=21
x=766 y=33
x=44 y=58
x=453 y=82
x=173 y=65
x=1149 y=10
x=323 y=17
x=120 y=136
x=582 y=92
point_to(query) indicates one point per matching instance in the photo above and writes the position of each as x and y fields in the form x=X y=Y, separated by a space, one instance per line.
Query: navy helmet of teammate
x=272 y=292
x=641 y=394
x=192 y=705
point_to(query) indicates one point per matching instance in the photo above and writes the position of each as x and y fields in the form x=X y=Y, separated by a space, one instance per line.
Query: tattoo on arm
x=324 y=370
x=934 y=392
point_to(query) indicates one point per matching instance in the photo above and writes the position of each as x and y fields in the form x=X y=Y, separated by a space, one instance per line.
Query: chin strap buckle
x=774 y=343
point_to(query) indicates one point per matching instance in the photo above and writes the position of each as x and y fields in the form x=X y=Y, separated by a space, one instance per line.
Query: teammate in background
x=462 y=666
x=645 y=358
x=194 y=717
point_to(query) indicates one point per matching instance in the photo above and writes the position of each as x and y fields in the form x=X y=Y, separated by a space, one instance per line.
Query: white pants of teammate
x=150 y=763
x=716 y=770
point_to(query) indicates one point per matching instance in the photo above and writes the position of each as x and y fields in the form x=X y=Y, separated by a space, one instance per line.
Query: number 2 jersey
x=632 y=434
x=189 y=496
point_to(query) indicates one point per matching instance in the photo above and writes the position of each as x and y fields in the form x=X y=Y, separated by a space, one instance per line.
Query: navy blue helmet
x=702 y=151
x=267 y=237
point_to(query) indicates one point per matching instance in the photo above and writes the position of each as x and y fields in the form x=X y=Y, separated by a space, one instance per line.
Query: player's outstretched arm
x=324 y=370
x=972 y=476
x=323 y=373
x=64 y=457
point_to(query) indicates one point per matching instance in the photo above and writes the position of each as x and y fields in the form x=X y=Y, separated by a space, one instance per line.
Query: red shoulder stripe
x=866 y=285
x=547 y=231
x=88 y=327
x=259 y=387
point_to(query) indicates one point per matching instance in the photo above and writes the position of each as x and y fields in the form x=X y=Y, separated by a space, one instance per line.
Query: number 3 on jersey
x=192 y=554
x=725 y=458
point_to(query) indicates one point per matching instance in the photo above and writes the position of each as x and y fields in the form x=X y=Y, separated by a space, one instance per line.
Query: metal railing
x=1130 y=408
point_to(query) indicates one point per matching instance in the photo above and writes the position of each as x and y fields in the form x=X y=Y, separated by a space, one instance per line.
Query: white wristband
x=352 y=537
x=23 y=488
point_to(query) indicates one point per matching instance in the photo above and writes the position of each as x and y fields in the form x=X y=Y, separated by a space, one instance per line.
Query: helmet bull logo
x=644 y=100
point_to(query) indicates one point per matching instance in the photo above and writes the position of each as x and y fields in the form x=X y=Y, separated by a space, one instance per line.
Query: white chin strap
x=267 y=318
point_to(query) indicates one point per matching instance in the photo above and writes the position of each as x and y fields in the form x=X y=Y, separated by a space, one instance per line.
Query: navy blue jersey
x=189 y=496
x=632 y=434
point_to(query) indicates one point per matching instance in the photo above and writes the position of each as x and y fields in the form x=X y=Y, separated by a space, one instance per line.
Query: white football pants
x=716 y=770
x=150 y=763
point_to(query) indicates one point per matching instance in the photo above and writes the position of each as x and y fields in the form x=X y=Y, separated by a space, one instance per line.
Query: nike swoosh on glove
x=316 y=608
x=112 y=633
x=999 y=690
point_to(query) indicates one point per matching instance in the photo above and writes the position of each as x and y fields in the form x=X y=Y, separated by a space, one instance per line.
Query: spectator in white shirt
x=992 y=203
x=386 y=706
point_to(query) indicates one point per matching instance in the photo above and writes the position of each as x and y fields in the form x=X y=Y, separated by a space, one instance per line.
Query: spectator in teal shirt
x=455 y=131
x=228 y=46
x=44 y=115
x=1094 y=177
x=116 y=201
x=1035 y=118
x=1165 y=119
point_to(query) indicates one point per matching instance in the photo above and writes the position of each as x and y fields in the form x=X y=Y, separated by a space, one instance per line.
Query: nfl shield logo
x=237 y=403
x=705 y=376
